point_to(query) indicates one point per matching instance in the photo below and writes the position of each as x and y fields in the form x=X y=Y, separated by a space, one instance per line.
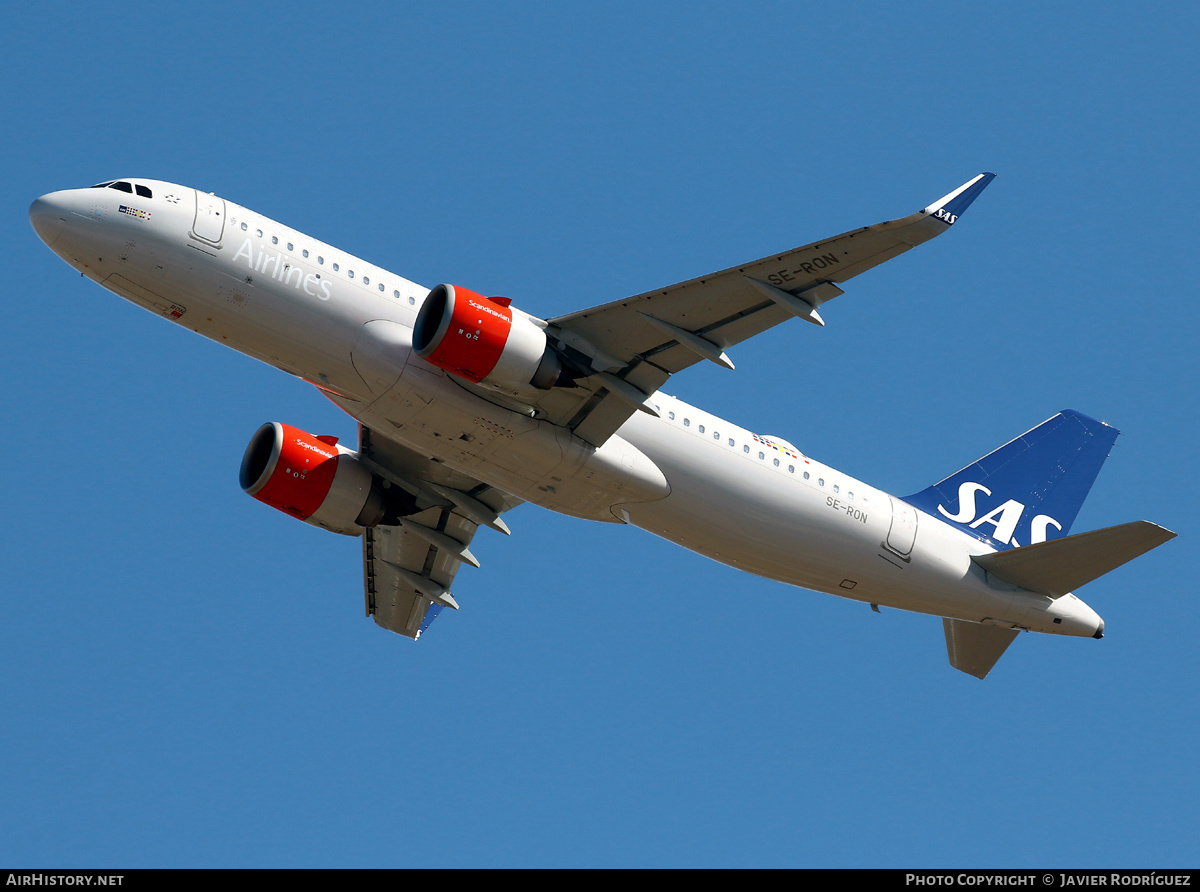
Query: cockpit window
x=143 y=191
x=122 y=185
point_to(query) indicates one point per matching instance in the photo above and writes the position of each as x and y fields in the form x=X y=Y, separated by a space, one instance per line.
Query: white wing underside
x=408 y=569
x=701 y=318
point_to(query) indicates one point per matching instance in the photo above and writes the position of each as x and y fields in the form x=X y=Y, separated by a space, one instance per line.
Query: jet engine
x=315 y=480
x=484 y=340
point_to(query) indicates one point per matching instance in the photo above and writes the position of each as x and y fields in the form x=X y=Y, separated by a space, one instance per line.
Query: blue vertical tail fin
x=1030 y=489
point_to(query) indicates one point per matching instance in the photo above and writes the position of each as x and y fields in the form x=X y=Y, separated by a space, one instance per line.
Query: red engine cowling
x=485 y=341
x=312 y=479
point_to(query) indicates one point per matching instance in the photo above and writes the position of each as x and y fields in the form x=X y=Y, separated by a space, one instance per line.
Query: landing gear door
x=902 y=534
x=210 y=218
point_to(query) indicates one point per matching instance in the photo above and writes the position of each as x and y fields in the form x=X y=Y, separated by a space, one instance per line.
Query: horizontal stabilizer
x=974 y=648
x=1060 y=566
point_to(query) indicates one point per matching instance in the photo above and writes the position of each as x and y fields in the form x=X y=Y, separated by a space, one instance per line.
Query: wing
x=624 y=351
x=408 y=567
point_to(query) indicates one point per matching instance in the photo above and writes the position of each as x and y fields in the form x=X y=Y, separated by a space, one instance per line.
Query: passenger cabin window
x=144 y=191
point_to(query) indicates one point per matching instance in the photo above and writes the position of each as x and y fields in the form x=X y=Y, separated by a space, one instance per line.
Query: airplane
x=467 y=406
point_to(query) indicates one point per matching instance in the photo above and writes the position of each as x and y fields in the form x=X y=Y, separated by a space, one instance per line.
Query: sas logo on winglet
x=943 y=214
x=1003 y=517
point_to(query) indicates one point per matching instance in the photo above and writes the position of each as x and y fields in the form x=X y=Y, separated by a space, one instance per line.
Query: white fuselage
x=313 y=311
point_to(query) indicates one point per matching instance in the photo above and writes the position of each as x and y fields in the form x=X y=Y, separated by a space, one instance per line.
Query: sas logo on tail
x=1004 y=517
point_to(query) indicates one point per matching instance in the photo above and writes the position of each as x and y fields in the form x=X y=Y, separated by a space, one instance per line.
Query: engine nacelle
x=312 y=479
x=485 y=341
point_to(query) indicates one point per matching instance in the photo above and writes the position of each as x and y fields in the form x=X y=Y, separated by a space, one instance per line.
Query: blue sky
x=187 y=678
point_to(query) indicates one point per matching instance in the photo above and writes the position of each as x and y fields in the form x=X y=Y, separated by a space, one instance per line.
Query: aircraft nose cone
x=47 y=217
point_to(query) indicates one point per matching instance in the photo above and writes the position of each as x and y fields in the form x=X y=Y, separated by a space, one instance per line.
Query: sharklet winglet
x=950 y=207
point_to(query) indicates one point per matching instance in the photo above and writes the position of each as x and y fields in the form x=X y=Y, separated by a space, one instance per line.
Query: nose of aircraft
x=47 y=216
